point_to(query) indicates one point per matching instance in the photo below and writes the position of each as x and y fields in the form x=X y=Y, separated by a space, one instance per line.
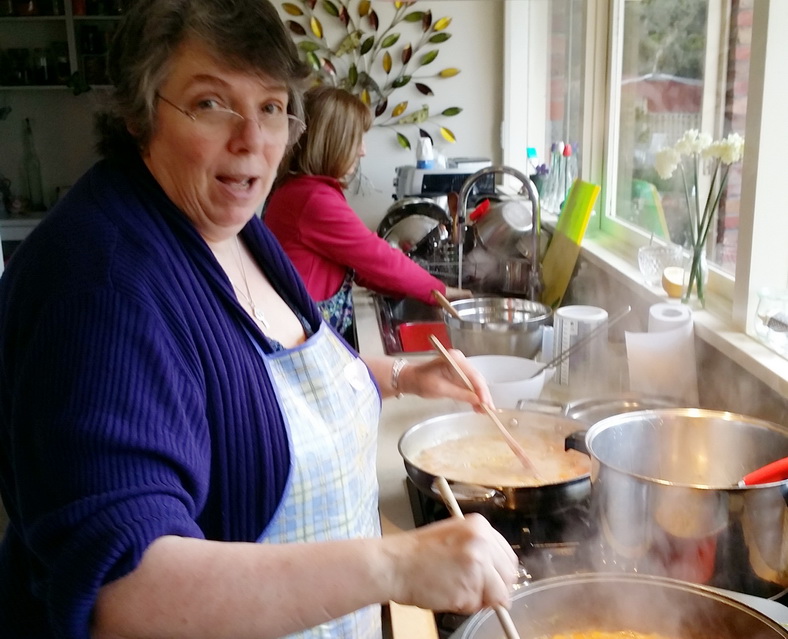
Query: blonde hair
x=336 y=122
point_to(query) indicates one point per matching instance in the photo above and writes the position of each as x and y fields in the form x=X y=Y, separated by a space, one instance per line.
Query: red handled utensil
x=775 y=471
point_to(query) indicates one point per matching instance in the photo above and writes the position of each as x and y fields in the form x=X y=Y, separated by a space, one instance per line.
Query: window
x=678 y=65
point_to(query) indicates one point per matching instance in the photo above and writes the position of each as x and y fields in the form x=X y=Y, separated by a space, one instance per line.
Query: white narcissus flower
x=731 y=148
x=666 y=161
x=693 y=142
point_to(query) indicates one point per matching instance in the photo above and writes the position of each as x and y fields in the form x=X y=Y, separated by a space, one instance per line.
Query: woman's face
x=362 y=151
x=218 y=171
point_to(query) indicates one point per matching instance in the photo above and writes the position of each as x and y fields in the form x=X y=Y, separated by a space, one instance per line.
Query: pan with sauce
x=486 y=459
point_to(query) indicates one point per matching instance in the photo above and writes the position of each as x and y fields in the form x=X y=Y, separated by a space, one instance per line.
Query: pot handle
x=473 y=493
x=577 y=441
x=549 y=406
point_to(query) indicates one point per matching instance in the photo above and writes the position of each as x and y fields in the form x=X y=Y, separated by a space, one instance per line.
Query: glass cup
x=655 y=258
x=771 y=319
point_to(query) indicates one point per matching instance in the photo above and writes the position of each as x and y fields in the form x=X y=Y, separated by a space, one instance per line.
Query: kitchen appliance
x=411 y=180
x=666 y=498
x=637 y=603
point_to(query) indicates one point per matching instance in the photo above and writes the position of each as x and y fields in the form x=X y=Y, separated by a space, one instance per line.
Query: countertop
x=407 y=622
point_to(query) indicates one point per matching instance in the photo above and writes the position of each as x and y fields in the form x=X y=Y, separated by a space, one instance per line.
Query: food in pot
x=624 y=634
x=488 y=460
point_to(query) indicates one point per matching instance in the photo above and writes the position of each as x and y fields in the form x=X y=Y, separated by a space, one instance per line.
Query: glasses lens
x=222 y=122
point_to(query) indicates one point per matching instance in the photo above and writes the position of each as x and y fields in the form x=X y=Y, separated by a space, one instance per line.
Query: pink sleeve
x=334 y=231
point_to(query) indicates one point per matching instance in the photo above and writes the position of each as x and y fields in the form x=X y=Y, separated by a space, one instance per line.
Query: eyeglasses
x=219 y=121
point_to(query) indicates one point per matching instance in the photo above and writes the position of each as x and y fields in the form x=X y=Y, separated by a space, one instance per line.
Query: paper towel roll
x=664 y=316
x=585 y=370
x=662 y=361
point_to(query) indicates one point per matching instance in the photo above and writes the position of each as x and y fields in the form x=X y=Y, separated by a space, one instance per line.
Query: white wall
x=63 y=130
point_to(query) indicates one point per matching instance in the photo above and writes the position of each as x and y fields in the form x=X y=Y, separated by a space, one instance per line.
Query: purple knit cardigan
x=132 y=403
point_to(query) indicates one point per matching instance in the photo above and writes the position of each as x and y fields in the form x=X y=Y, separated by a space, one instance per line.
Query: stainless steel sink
x=405 y=324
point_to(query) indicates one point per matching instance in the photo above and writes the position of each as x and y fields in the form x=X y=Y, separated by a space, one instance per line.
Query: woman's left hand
x=436 y=378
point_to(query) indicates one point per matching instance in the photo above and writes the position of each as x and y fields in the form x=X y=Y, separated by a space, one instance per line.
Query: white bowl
x=509 y=378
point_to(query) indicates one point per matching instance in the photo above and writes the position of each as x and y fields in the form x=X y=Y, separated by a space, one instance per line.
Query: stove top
x=550 y=545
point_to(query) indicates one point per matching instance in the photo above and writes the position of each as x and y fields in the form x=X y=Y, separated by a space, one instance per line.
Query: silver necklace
x=257 y=312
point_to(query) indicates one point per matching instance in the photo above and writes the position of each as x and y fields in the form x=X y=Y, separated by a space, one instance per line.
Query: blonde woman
x=329 y=245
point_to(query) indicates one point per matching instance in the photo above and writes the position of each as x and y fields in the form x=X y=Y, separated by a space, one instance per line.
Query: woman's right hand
x=457 y=565
x=454 y=293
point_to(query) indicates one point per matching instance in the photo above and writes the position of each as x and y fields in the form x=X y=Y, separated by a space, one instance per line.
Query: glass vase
x=696 y=276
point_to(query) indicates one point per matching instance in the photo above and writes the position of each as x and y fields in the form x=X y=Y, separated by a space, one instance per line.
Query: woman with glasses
x=186 y=448
x=328 y=243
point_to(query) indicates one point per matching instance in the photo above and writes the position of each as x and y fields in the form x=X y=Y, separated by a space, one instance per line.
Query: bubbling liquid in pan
x=624 y=634
x=488 y=460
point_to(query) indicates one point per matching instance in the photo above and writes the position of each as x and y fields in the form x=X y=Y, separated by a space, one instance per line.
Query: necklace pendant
x=260 y=316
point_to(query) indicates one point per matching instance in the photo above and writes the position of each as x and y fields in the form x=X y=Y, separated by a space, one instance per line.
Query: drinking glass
x=771 y=319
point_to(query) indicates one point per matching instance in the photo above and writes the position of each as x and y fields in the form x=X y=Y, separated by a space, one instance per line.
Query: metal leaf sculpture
x=396 y=55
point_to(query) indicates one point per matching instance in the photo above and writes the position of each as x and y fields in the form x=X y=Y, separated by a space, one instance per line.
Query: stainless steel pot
x=612 y=603
x=665 y=496
x=497 y=326
x=527 y=500
x=504 y=225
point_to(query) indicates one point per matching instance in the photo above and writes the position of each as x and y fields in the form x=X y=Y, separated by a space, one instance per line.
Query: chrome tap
x=535 y=283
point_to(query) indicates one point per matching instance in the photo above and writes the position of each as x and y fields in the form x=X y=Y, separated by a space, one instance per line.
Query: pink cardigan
x=324 y=238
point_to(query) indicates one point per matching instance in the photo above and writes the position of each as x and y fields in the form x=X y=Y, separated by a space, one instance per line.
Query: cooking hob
x=548 y=546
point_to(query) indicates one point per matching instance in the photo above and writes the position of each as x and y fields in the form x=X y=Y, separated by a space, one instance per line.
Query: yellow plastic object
x=561 y=255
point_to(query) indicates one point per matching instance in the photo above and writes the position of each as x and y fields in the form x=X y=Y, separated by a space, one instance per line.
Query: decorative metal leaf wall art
x=373 y=61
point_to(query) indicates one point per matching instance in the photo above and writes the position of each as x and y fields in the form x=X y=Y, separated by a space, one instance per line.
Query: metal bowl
x=497 y=326
x=410 y=231
x=409 y=206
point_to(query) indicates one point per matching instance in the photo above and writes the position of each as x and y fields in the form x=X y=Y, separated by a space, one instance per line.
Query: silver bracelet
x=396 y=369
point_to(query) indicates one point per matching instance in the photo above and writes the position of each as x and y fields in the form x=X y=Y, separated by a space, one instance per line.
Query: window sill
x=710 y=324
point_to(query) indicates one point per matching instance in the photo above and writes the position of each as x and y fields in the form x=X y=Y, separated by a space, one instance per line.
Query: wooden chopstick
x=454 y=508
x=516 y=448
x=445 y=304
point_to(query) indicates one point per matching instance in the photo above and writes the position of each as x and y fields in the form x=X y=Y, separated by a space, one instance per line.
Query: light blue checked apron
x=331 y=409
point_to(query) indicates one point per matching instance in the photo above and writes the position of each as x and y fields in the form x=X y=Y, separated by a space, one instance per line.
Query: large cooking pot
x=544 y=499
x=666 y=499
x=637 y=603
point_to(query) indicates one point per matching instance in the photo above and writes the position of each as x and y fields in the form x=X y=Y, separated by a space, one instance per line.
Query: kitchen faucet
x=535 y=283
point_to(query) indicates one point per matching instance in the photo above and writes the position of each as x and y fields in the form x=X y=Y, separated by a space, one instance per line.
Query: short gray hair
x=247 y=35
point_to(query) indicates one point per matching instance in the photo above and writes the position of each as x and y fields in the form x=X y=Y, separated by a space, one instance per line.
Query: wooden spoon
x=445 y=304
x=454 y=508
x=511 y=441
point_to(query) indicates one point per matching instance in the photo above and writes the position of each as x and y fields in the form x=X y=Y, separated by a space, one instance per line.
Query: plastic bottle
x=533 y=160
x=424 y=155
x=31 y=171
x=553 y=189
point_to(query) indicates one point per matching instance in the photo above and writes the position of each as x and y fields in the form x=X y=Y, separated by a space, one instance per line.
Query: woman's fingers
x=459 y=565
